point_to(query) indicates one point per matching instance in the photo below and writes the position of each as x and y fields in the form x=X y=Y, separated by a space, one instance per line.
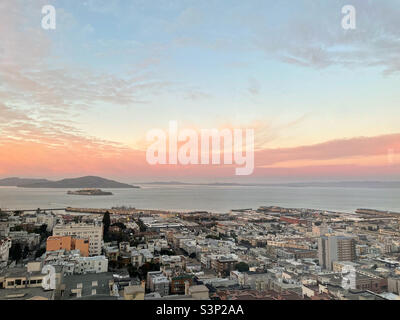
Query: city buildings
x=238 y=255
x=91 y=231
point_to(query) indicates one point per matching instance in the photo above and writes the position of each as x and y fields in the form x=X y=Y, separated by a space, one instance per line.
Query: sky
x=78 y=100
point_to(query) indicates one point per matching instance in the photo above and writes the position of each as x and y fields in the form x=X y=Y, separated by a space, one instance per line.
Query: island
x=82 y=182
x=90 y=192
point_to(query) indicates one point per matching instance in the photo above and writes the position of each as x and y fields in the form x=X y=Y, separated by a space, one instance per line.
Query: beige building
x=134 y=293
x=199 y=292
x=394 y=285
x=93 y=232
x=338 y=266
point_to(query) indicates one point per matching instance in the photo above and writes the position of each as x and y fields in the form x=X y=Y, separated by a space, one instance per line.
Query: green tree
x=167 y=252
x=40 y=252
x=16 y=252
x=211 y=236
x=141 y=225
x=17 y=228
x=119 y=225
x=133 y=271
x=25 y=253
x=106 y=224
x=242 y=267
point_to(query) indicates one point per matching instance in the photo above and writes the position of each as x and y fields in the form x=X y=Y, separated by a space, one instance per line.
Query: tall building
x=335 y=248
x=92 y=231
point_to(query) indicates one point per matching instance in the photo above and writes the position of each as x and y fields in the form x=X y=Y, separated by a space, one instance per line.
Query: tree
x=16 y=252
x=192 y=255
x=25 y=253
x=40 y=252
x=42 y=230
x=141 y=225
x=211 y=236
x=133 y=271
x=106 y=224
x=119 y=225
x=146 y=267
x=242 y=267
x=167 y=252
x=17 y=228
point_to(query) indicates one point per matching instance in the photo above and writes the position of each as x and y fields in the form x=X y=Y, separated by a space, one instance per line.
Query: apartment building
x=335 y=248
x=91 y=231
x=68 y=243
x=223 y=264
x=157 y=282
x=180 y=283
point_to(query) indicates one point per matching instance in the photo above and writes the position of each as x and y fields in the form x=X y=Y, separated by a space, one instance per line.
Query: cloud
x=331 y=150
x=316 y=39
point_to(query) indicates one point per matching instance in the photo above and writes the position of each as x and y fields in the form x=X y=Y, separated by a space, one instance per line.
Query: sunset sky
x=324 y=102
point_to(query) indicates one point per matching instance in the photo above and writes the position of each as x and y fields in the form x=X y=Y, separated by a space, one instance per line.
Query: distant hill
x=329 y=184
x=83 y=182
x=13 y=182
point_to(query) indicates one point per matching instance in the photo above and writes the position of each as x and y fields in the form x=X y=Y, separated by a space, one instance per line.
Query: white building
x=158 y=282
x=146 y=254
x=5 y=245
x=48 y=219
x=73 y=263
x=38 y=219
x=189 y=246
x=93 y=232
x=97 y=264
x=172 y=261
x=160 y=244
